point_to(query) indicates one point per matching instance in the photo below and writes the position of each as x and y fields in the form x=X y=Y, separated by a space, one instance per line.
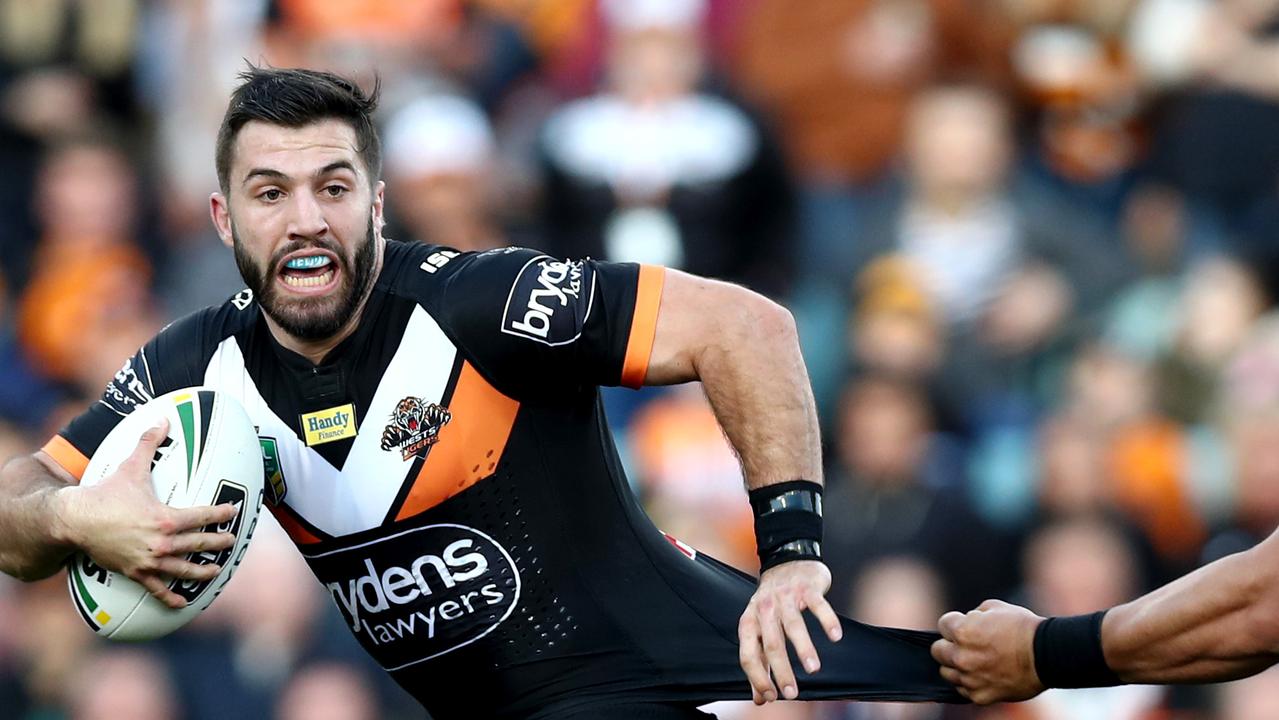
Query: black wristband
x=788 y=522
x=1068 y=653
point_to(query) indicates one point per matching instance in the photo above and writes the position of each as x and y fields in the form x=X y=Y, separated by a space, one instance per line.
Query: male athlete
x=1218 y=623
x=434 y=445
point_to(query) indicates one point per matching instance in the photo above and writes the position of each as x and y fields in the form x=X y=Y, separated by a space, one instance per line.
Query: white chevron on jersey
x=357 y=497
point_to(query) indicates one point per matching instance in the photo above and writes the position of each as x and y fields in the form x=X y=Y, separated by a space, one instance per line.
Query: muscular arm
x=33 y=542
x=1220 y=622
x=45 y=516
x=745 y=350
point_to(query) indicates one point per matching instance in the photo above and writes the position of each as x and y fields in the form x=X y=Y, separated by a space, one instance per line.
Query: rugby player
x=1218 y=623
x=434 y=444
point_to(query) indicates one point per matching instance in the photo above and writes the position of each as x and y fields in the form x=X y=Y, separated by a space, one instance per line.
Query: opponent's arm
x=1218 y=623
x=45 y=516
x=745 y=350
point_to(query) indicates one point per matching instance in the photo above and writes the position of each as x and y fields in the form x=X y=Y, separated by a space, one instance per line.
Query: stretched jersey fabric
x=448 y=474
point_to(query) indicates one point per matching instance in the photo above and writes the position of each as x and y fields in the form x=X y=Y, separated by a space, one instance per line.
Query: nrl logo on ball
x=415 y=426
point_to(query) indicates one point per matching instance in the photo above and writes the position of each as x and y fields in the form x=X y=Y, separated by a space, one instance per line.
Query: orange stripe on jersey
x=648 y=297
x=299 y=534
x=470 y=445
x=66 y=455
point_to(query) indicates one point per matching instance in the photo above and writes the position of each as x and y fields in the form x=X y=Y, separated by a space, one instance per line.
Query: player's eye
x=335 y=190
x=271 y=194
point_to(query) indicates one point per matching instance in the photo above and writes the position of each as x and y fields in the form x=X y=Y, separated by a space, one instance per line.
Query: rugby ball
x=211 y=456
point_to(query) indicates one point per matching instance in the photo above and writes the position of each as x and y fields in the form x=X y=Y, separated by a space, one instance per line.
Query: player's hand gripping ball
x=210 y=456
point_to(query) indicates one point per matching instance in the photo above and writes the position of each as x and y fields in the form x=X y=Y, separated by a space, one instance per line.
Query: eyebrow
x=278 y=175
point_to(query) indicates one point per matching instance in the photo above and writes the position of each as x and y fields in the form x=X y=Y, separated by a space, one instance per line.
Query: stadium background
x=1030 y=245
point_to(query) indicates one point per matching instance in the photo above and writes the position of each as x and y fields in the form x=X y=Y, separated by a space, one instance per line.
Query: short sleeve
x=533 y=323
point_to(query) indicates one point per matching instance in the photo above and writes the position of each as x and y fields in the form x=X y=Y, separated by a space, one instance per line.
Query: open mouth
x=309 y=271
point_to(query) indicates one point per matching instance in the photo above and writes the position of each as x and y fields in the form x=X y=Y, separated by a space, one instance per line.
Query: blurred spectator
x=840 y=74
x=87 y=307
x=980 y=246
x=52 y=53
x=119 y=683
x=894 y=491
x=327 y=691
x=190 y=54
x=1011 y=275
x=1150 y=464
x=486 y=46
x=1078 y=566
x=1218 y=306
x=1214 y=137
x=689 y=477
x=439 y=171
x=902 y=592
x=838 y=77
x=1085 y=93
x=1155 y=230
x=65 y=67
x=896 y=329
x=1072 y=477
x=353 y=38
x=1107 y=450
x=1249 y=419
x=52 y=643
x=651 y=170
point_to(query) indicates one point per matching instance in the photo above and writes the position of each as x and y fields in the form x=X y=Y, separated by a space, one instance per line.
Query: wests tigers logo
x=414 y=427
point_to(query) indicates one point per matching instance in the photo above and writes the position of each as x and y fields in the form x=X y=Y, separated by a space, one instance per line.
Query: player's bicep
x=696 y=314
x=678 y=328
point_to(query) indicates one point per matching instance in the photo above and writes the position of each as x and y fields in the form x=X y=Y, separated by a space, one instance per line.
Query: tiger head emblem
x=414 y=427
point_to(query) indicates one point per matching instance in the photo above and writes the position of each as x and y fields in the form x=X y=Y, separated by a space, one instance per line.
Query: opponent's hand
x=989 y=653
x=775 y=615
x=123 y=526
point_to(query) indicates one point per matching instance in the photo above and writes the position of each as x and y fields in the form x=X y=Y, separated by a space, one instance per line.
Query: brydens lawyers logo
x=421 y=593
x=415 y=426
x=550 y=301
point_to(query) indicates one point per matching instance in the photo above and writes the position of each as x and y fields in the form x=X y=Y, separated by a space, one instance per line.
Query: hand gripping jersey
x=448 y=474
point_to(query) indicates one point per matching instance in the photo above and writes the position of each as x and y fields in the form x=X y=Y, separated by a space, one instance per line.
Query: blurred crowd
x=1031 y=246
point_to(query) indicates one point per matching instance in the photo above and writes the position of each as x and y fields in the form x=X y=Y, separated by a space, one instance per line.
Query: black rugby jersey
x=448 y=475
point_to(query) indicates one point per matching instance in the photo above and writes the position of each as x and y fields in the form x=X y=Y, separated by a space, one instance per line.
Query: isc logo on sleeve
x=336 y=423
x=550 y=301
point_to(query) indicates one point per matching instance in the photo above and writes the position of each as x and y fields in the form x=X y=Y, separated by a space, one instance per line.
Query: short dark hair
x=294 y=97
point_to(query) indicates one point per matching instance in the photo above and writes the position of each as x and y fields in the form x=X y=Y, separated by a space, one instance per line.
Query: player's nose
x=307 y=219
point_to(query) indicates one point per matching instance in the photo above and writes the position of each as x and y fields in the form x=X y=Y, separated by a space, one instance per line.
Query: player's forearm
x=755 y=379
x=1219 y=623
x=33 y=538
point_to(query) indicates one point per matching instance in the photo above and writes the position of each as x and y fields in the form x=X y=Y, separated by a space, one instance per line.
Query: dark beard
x=318 y=318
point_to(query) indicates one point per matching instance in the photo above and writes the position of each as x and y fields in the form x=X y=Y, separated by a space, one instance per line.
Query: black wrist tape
x=1068 y=653
x=788 y=522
